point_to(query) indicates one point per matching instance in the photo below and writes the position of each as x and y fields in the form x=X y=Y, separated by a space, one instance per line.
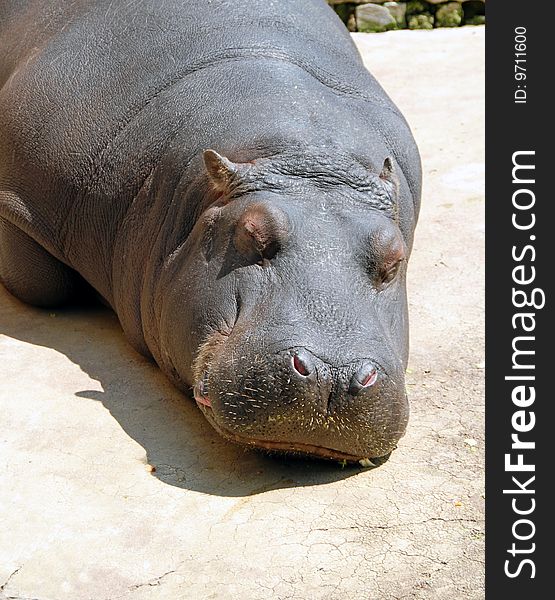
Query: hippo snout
x=293 y=400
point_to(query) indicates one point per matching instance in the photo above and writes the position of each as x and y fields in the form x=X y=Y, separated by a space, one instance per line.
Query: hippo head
x=286 y=311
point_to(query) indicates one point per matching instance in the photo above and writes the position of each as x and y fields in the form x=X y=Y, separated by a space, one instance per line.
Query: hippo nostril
x=302 y=364
x=365 y=377
x=370 y=379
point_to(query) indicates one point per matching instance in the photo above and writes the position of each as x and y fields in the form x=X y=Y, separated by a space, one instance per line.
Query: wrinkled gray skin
x=268 y=275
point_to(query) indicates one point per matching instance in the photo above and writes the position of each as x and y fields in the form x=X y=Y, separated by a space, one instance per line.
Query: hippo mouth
x=203 y=401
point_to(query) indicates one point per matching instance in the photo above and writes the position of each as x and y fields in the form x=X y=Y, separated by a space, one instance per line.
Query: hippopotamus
x=231 y=180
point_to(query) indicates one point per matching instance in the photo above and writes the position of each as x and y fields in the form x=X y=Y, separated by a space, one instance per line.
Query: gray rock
x=423 y=21
x=398 y=11
x=373 y=18
x=449 y=15
x=352 y=22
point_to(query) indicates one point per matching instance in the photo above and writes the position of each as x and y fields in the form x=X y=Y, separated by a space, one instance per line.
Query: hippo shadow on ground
x=184 y=449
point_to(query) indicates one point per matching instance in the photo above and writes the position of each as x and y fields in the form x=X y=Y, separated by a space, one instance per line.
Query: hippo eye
x=259 y=233
x=385 y=254
x=389 y=274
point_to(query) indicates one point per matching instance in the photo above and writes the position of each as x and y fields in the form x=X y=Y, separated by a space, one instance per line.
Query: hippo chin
x=237 y=187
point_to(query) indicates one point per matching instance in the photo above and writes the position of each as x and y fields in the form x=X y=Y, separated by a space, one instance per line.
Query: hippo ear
x=389 y=178
x=220 y=170
x=388 y=174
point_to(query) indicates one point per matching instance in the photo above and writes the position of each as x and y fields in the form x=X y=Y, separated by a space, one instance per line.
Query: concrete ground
x=85 y=517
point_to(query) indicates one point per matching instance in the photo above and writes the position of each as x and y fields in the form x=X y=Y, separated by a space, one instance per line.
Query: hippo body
x=230 y=179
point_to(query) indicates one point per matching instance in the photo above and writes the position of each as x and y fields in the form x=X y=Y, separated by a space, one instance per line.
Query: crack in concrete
x=3 y=586
x=5 y=596
x=152 y=582
x=398 y=525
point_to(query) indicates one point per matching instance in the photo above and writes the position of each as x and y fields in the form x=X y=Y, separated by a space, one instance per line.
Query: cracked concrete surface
x=85 y=517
